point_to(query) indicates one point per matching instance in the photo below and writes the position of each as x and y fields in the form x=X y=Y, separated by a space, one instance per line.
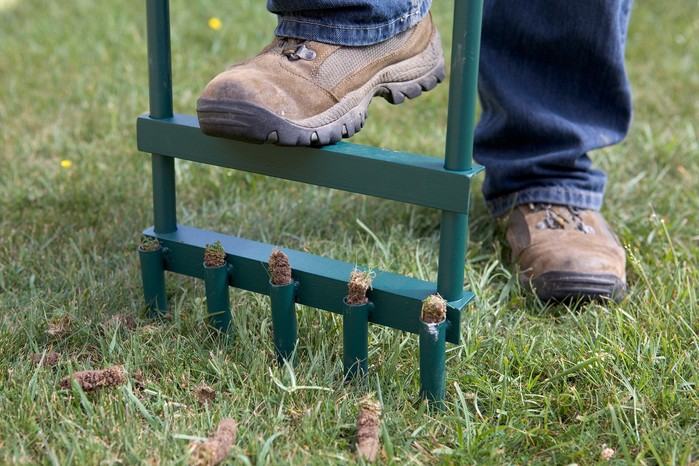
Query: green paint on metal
x=355 y=339
x=397 y=299
x=463 y=79
x=153 y=279
x=433 y=362
x=218 y=304
x=159 y=58
x=160 y=93
x=164 y=199
x=452 y=255
x=399 y=176
x=459 y=145
x=284 y=325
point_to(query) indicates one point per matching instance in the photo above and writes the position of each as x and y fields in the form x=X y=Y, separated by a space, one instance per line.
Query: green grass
x=530 y=383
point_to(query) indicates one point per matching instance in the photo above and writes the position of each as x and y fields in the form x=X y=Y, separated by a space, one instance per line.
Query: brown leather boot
x=565 y=253
x=301 y=93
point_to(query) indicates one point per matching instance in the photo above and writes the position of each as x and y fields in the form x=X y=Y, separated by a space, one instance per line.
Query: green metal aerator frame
x=319 y=282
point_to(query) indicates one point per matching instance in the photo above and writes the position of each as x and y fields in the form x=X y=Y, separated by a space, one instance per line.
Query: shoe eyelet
x=301 y=52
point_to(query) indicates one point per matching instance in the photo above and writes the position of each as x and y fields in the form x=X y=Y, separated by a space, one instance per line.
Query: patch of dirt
x=51 y=359
x=205 y=394
x=93 y=380
x=279 y=268
x=217 y=447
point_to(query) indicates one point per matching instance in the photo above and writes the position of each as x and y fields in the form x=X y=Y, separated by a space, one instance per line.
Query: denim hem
x=349 y=35
x=550 y=195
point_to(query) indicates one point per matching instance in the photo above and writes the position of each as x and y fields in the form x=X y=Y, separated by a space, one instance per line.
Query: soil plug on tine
x=355 y=324
x=434 y=309
x=279 y=268
x=218 y=304
x=359 y=284
x=282 y=292
x=433 y=325
x=152 y=258
x=214 y=255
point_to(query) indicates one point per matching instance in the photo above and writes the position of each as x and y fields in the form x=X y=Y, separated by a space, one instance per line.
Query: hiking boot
x=303 y=93
x=566 y=254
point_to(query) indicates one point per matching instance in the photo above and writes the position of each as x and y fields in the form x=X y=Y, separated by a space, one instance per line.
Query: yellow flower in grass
x=66 y=163
x=215 y=23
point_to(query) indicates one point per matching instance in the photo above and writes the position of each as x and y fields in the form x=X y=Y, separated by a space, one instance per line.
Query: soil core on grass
x=95 y=379
x=368 y=429
x=217 y=447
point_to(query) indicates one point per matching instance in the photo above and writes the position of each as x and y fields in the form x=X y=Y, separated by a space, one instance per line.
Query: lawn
x=529 y=384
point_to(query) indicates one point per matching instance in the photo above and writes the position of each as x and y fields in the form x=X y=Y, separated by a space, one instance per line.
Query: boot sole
x=569 y=287
x=244 y=121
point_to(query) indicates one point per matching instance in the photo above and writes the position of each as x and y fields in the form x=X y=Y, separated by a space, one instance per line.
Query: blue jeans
x=346 y=22
x=552 y=85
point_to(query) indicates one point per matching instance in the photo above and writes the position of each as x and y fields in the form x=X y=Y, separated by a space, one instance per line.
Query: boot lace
x=555 y=220
x=295 y=50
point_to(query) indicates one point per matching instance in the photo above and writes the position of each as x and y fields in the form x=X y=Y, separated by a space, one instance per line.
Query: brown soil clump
x=51 y=359
x=434 y=309
x=279 y=268
x=368 y=429
x=359 y=284
x=214 y=255
x=217 y=447
x=205 y=394
x=90 y=381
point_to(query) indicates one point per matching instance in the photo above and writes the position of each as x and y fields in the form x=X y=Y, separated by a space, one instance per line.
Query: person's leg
x=313 y=84
x=553 y=87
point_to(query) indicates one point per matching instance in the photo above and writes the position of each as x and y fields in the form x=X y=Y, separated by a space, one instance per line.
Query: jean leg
x=553 y=86
x=346 y=22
